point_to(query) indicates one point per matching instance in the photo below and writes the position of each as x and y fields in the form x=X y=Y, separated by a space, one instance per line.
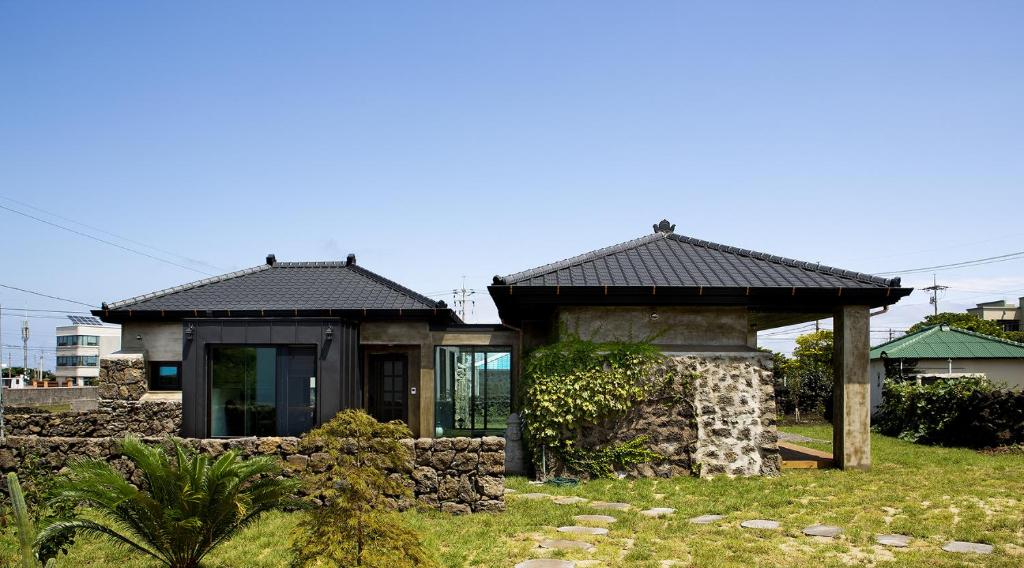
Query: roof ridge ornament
x=664 y=227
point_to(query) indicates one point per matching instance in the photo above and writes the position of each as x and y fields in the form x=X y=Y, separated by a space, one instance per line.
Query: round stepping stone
x=706 y=519
x=569 y=500
x=592 y=531
x=510 y=491
x=823 y=530
x=597 y=519
x=967 y=547
x=658 y=512
x=534 y=496
x=546 y=563
x=611 y=506
x=557 y=544
x=894 y=540
x=760 y=524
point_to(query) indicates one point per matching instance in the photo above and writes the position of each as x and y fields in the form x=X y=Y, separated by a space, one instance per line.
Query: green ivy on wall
x=575 y=384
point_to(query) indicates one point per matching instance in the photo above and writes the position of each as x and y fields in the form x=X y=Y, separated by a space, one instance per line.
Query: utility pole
x=24 y=343
x=935 y=289
x=461 y=299
x=3 y=429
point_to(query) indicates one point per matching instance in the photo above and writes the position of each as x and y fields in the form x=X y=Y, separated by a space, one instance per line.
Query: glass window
x=262 y=391
x=70 y=340
x=78 y=361
x=165 y=376
x=473 y=391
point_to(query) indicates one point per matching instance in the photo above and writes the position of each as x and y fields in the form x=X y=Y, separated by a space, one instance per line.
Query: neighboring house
x=281 y=347
x=1010 y=316
x=940 y=350
x=80 y=346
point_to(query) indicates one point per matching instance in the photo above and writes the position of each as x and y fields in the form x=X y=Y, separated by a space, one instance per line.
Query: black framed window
x=165 y=376
x=78 y=361
x=473 y=390
x=262 y=390
x=72 y=340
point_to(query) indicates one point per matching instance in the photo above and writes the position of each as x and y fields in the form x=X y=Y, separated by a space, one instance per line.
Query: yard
x=932 y=494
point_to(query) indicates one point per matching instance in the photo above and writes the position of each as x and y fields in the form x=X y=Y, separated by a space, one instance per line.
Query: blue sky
x=449 y=139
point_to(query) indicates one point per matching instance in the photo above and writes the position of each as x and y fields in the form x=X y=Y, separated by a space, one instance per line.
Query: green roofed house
x=943 y=351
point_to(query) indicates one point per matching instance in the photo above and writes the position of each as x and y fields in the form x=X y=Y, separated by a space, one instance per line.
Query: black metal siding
x=338 y=380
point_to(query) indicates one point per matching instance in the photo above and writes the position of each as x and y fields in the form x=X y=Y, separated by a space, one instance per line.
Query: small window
x=165 y=376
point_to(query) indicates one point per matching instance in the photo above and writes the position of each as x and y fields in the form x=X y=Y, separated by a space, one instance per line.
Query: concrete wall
x=160 y=341
x=677 y=328
x=1008 y=372
x=78 y=397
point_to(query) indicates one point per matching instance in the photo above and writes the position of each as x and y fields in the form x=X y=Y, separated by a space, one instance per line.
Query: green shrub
x=186 y=505
x=354 y=524
x=573 y=385
x=967 y=411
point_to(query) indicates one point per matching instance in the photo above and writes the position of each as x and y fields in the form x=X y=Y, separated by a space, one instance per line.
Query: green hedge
x=969 y=412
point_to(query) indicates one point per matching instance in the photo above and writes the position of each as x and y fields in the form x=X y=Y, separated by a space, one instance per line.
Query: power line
x=961 y=264
x=104 y=241
x=45 y=295
x=115 y=235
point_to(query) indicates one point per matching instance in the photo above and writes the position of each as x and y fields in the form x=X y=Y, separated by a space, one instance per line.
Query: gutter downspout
x=879 y=312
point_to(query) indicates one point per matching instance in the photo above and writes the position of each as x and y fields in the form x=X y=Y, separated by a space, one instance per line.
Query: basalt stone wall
x=122 y=378
x=455 y=475
x=666 y=419
x=734 y=402
x=112 y=418
x=717 y=417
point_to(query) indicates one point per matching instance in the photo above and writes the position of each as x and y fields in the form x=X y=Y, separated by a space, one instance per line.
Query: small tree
x=810 y=374
x=185 y=506
x=355 y=526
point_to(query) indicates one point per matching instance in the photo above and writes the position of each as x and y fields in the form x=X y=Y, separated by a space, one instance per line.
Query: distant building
x=80 y=346
x=1010 y=316
x=940 y=351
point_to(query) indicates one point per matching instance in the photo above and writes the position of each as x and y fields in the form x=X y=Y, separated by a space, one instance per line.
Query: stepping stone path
x=569 y=500
x=592 y=531
x=556 y=544
x=610 y=506
x=968 y=547
x=760 y=524
x=894 y=540
x=706 y=519
x=510 y=491
x=658 y=512
x=596 y=519
x=546 y=563
x=823 y=530
x=534 y=496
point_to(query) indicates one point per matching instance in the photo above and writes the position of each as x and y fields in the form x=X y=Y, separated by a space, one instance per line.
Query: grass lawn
x=932 y=494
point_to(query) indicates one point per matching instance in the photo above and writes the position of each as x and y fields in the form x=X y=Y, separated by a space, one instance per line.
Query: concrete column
x=851 y=413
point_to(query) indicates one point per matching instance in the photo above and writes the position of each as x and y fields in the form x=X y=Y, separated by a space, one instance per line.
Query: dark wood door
x=389 y=381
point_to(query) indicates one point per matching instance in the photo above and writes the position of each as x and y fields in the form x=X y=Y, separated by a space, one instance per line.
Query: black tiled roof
x=667 y=259
x=285 y=286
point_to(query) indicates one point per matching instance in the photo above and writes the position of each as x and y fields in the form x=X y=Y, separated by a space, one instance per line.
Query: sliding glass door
x=473 y=390
x=262 y=391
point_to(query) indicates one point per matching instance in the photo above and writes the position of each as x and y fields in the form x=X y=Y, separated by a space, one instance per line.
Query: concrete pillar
x=851 y=413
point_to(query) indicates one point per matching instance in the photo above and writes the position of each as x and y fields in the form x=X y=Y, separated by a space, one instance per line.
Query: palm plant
x=186 y=506
x=25 y=527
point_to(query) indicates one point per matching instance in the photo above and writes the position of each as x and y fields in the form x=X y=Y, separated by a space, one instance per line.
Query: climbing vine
x=575 y=384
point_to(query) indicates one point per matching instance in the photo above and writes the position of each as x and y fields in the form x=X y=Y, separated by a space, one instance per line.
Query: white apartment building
x=80 y=347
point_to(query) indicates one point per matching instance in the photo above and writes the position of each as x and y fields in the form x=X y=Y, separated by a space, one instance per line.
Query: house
x=703 y=303
x=1009 y=316
x=942 y=351
x=280 y=347
x=80 y=346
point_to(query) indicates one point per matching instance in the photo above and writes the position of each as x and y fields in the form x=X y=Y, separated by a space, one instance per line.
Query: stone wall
x=122 y=377
x=454 y=475
x=112 y=418
x=50 y=396
x=717 y=418
x=734 y=401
